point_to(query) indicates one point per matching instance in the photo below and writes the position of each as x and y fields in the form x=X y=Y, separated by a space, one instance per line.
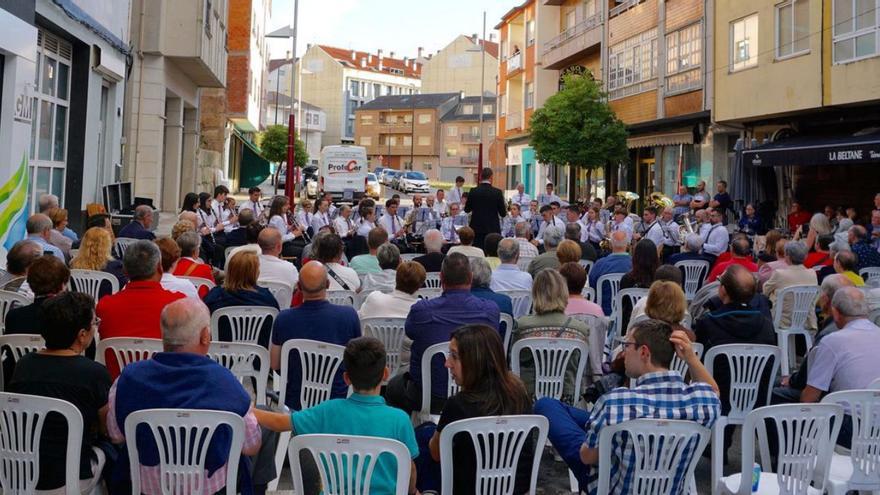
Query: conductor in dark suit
x=486 y=206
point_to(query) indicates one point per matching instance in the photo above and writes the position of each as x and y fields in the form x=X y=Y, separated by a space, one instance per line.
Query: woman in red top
x=797 y=217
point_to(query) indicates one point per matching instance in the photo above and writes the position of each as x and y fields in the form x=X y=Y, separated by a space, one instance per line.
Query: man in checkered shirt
x=656 y=393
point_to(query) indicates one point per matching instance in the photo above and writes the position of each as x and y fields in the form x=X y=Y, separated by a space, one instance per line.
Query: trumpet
x=686 y=228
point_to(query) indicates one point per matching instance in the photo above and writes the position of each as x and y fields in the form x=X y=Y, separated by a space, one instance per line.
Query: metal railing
x=468 y=160
x=514 y=62
x=572 y=32
x=623 y=7
x=470 y=138
x=513 y=121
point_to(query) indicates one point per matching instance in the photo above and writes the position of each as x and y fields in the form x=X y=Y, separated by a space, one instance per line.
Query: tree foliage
x=576 y=126
x=274 y=145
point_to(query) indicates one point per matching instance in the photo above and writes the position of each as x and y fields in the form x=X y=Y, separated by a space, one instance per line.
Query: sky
x=400 y=26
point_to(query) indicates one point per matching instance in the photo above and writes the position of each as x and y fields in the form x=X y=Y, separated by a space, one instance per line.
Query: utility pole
x=291 y=184
x=482 y=92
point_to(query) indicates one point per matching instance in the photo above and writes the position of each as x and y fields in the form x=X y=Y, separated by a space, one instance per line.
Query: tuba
x=661 y=201
x=627 y=198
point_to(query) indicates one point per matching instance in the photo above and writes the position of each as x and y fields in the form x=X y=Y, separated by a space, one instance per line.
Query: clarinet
x=291 y=219
x=210 y=230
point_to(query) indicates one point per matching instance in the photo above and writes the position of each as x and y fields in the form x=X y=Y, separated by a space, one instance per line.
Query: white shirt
x=846 y=359
x=454 y=195
x=382 y=281
x=176 y=284
x=349 y=276
x=225 y=215
x=522 y=199
x=555 y=222
x=280 y=224
x=654 y=232
x=591 y=231
x=391 y=225
x=671 y=233
x=510 y=277
x=394 y=304
x=206 y=219
x=526 y=248
x=625 y=228
x=365 y=227
x=320 y=220
x=546 y=199
x=441 y=207
x=508 y=226
x=275 y=269
x=716 y=239
x=304 y=219
x=468 y=251
x=343 y=226
x=255 y=207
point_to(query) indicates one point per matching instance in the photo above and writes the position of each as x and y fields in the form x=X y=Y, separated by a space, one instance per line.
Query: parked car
x=378 y=171
x=414 y=182
x=395 y=179
x=373 y=187
x=388 y=176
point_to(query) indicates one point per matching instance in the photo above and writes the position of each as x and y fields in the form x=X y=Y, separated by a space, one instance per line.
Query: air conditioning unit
x=109 y=66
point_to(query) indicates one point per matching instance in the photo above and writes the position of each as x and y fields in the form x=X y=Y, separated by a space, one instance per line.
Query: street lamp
x=482 y=49
x=412 y=135
x=290 y=32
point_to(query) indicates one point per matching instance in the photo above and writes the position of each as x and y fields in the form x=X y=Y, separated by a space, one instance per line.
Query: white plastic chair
x=346 y=462
x=803 y=303
x=596 y=342
x=432 y=280
x=523 y=263
x=21 y=427
x=631 y=295
x=283 y=293
x=587 y=264
x=614 y=280
x=663 y=450
x=9 y=300
x=875 y=384
x=390 y=331
x=498 y=442
x=871 y=275
x=695 y=273
x=747 y=364
x=588 y=293
x=859 y=469
x=678 y=364
x=182 y=438
x=245 y=322
x=199 y=282
x=551 y=358
x=241 y=359
x=806 y=440
x=90 y=282
x=127 y=350
x=505 y=325
x=120 y=245
x=342 y=298
x=15 y=346
x=428 y=294
x=451 y=386
x=875 y=316
x=409 y=256
x=521 y=300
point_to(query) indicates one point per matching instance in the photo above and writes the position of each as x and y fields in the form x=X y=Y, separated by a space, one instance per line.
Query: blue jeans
x=567 y=434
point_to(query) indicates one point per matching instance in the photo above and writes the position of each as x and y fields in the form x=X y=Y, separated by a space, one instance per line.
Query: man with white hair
x=139 y=227
x=508 y=276
x=389 y=258
x=182 y=376
x=795 y=274
x=38 y=227
x=693 y=244
x=49 y=201
x=272 y=267
x=432 y=260
x=523 y=232
x=619 y=261
x=481 y=286
x=521 y=198
x=552 y=237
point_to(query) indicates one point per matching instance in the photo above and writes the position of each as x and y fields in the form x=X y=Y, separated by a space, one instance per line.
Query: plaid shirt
x=660 y=395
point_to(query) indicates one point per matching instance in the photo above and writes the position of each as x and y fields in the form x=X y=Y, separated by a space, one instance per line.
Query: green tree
x=273 y=142
x=577 y=127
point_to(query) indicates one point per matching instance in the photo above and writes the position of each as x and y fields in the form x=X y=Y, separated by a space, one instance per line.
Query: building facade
x=403 y=131
x=309 y=127
x=459 y=66
x=179 y=48
x=340 y=81
x=460 y=137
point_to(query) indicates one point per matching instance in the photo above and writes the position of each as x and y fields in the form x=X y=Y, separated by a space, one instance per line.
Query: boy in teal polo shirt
x=364 y=413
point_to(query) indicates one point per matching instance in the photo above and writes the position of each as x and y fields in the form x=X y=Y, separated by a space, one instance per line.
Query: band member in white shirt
x=548 y=197
x=331 y=210
x=651 y=228
x=521 y=198
x=717 y=238
x=451 y=224
x=508 y=227
x=392 y=223
x=304 y=215
x=620 y=223
x=456 y=192
x=531 y=211
x=549 y=220
x=441 y=206
x=222 y=212
x=343 y=225
x=593 y=231
x=321 y=217
x=434 y=221
x=671 y=234
x=368 y=221
x=254 y=204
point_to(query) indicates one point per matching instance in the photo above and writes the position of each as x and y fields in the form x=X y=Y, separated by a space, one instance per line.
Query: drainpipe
x=140 y=55
x=661 y=58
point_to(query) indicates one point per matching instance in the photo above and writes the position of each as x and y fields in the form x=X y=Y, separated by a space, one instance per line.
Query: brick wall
x=238 y=27
x=238 y=76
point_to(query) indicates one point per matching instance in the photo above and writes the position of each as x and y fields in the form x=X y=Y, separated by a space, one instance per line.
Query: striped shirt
x=659 y=395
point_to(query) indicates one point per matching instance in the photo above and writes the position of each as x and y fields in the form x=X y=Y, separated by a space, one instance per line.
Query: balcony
x=470 y=138
x=622 y=7
x=513 y=121
x=572 y=43
x=468 y=160
x=394 y=127
x=514 y=63
x=193 y=35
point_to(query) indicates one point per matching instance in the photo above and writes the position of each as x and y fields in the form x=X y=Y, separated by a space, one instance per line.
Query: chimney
x=390 y=54
x=474 y=38
x=421 y=49
x=379 y=57
x=353 y=56
x=363 y=62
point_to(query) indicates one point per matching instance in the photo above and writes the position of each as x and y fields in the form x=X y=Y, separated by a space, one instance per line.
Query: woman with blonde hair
x=95 y=253
x=56 y=237
x=819 y=225
x=667 y=302
x=240 y=289
x=568 y=251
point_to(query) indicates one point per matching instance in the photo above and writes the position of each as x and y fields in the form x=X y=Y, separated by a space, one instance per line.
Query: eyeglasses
x=623 y=342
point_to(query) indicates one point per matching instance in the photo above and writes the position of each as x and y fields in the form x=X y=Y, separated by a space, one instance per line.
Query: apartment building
x=310 y=126
x=459 y=66
x=179 y=48
x=460 y=138
x=231 y=116
x=799 y=81
x=280 y=70
x=403 y=131
x=62 y=79
x=340 y=81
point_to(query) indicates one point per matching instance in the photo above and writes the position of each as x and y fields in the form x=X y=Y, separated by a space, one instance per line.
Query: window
x=856 y=32
x=502 y=52
x=451 y=152
x=475 y=130
x=48 y=150
x=353 y=88
x=424 y=140
x=407 y=140
x=407 y=118
x=387 y=90
x=589 y=8
x=683 y=57
x=467 y=109
x=530 y=32
x=365 y=119
x=744 y=43
x=491 y=131
x=570 y=19
x=530 y=95
x=792 y=28
x=366 y=140
x=424 y=118
x=452 y=131
x=426 y=165
x=377 y=90
x=392 y=140
x=487 y=109
x=632 y=65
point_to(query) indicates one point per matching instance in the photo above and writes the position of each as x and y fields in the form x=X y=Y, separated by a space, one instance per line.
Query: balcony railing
x=572 y=32
x=470 y=138
x=514 y=62
x=513 y=121
x=623 y=7
x=468 y=160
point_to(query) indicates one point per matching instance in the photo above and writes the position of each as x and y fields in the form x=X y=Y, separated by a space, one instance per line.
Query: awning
x=667 y=139
x=816 y=150
x=254 y=168
x=243 y=125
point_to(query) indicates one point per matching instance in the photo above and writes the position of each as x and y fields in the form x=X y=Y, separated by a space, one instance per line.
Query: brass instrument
x=661 y=201
x=627 y=198
x=686 y=228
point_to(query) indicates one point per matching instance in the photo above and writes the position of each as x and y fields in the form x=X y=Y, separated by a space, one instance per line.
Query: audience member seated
x=183 y=376
x=860 y=245
x=240 y=289
x=49 y=201
x=845 y=359
x=846 y=263
x=139 y=227
x=573 y=233
x=523 y=232
x=552 y=237
x=645 y=261
x=822 y=254
x=315 y=319
x=819 y=226
x=618 y=261
x=433 y=258
x=239 y=235
x=466 y=236
x=488 y=388
x=364 y=413
x=388 y=256
x=568 y=251
x=96 y=253
x=576 y=278
x=666 y=302
x=368 y=263
x=667 y=273
x=797 y=216
x=480 y=286
x=170 y=252
x=190 y=264
x=508 y=276
x=39 y=228
x=47 y=278
x=490 y=248
x=740 y=254
x=691 y=251
x=272 y=267
x=735 y=322
x=795 y=274
x=59 y=223
x=18 y=262
x=134 y=311
x=550 y=300
x=60 y=371
x=329 y=250
x=656 y=392
x=765 y=270
x=431 y=322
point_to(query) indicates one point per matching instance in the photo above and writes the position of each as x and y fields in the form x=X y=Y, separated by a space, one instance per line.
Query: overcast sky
x=400 y=26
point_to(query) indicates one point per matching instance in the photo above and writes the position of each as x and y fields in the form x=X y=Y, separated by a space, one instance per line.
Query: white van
x=344 y=172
